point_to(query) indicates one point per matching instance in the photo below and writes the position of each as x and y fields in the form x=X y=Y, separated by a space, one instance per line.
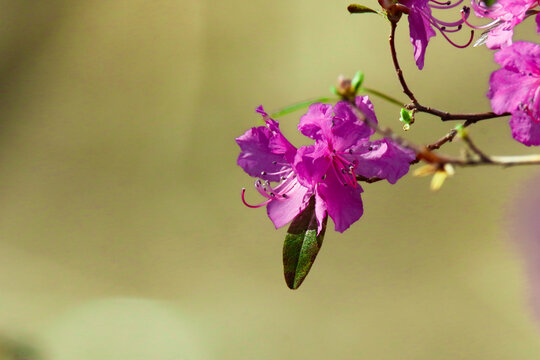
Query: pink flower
x=506 y=15
x=341 y=151
x=267 y=155
x=515 y=88
x=422 y=25
x=326 y=170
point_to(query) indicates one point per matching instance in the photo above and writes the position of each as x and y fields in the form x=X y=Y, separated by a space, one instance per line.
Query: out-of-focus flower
x=515 y=88
x=506 y=14
x=521 y=218
x=440 y=173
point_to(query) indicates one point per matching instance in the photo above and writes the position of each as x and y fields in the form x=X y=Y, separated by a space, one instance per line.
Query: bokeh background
x=122 y=233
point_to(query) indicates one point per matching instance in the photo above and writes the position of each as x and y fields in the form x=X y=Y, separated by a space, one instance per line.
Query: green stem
x=301 y=105
x=382 y=96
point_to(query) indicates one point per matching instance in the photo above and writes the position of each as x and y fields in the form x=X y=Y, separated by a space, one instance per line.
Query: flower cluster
x=423 y=25
x=327 y=170
x=506 y=14
x=515 y=88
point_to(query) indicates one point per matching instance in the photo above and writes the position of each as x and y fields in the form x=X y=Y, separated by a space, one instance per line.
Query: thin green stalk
x=301 y=105
x=382 y=96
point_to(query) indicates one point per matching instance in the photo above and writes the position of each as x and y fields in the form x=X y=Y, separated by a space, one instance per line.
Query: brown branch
x=370 y=180
x=448 y=137
x=424 y=153
x=446 y=116
x=485 y=158
x=415 y=105
x=399 y=72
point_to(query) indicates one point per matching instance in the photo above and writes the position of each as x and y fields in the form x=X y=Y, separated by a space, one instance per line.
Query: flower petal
x=383 y=159
x=320 y=212
x=420 y=32
x=523 y=57
x=343 y=203
x=508 y=89
x=283 y=211
x=348 y=129
x=500 y=37
x=316 y=123
x=311 y=163
x=264 y=149
x=525 y=129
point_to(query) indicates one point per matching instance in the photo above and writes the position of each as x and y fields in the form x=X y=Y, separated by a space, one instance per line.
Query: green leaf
x=360 y=9
x=461 y=131
x=298 y=106
x=357 y=80
x=489 y=2
x=405 y=116
x=302 y=245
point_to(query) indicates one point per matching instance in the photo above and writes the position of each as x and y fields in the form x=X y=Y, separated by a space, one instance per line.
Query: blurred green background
x=122 y=233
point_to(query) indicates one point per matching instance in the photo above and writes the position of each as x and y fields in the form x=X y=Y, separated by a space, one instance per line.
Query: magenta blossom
x=515 y=88
x=267 y=155
x=326 y=170
x=341 y=151
x=422 y=25
x=506 y=14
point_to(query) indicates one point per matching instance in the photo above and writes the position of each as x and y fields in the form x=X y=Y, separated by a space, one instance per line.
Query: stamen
x=347 y=176
x=447 y=5
x=441 y=3
x=284 y=171
x=443 y=30
x=253 y=206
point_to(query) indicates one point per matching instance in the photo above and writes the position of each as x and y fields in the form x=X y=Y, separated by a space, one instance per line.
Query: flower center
x=343 y=168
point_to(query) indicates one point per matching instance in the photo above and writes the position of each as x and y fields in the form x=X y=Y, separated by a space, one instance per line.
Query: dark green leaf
x=357 y=80
x=301 y=245
x=360 y=9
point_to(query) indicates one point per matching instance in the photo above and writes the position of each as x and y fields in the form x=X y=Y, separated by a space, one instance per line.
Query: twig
x=383 y=96
x=485 y=158
x=448 y=137
x=399 y=72
x=367 y=180
x=443 y=115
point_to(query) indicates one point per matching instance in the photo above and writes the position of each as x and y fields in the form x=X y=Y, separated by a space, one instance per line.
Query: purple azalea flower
x=267 y=155
x=341 y=151
x=422 y=25
x=515 y=88
x=506 y=14
x=327 y=169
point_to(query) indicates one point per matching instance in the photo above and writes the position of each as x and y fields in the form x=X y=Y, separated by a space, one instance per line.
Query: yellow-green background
x=122 y=233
